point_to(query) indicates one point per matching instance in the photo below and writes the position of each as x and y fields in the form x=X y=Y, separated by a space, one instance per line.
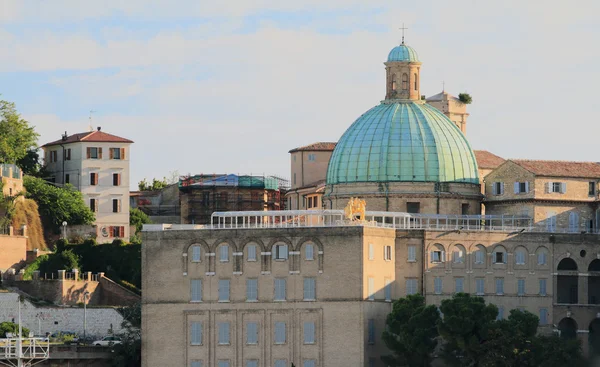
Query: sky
x=231 y=87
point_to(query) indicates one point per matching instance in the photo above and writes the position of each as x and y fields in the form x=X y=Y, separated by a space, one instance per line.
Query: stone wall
x=13 y=250
x=51 y=319
x=116 y=295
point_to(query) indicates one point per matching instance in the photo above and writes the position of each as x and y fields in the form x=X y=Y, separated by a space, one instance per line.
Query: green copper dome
x=402 y=140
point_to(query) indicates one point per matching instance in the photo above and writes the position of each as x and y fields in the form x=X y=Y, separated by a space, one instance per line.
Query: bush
x=60 y=245
x=11 y=327
x=48 y=264
x=465 y=98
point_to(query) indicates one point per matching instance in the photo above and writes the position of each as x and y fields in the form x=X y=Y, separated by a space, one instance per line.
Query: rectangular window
x=281 y=252
x=116 y=179
x=224 y=253
x=310 y=289
x=520 y=257
x=542 y=287
x=371 y=251
x=251 y=289
x=196 y=333
x=94 y=153
x=459 y=285
x=500 y=286
x=67 y=178
x=312 y=157
x=499 y=258
x=251 y=252
x=479 y=256
x=500 y=313
x=543 y=316
x=116 y=205
x=388 y=290
x=520 y=287
x=371 y=288
x=280 y=332
x=464 y=209
x=196 y=364
x=251 y=363
x=372 y=362
x=94 y=205
x=497 y=188
x=280 y=289
x=458 y=256
x=223 y=333
x=556 y=187
x=93 y=179
x=309 y=333
x=411 y=286
x=592 y=189
x=118 y=231
x=115 y=153
x=252 y=333
x=223 y=363
x=521 y=187
x=413 y=208
x=309 y=363
x=387 y=253
x=551 y=221
x=196 y=290
x=196 y=254
x=412 y=253
x=437 y=285
x=480 y=286
x=223 y=290
x=309 y=252
x=281 y=363
x=371 y=331
x=437 y=256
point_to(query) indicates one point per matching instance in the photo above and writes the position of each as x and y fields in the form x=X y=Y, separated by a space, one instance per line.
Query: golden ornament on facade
x=355 y=210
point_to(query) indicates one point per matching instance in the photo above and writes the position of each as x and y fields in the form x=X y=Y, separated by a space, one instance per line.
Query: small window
x=412 y=253
x=309 y=363
x=309 y=333
x=252 y=333
x=118 y=231
x=464 y=209
x=499 y=286
x=500 y=314
x=223 y=333
x=458 y=256
x=371 y=288
x=413 y=208
x=543 y=316
x=196 y=333
x=94 y=153
x=251 y=363
x=281 y=252
x=459 y=285
x=557 y=187
x=196 y=254
x=281 y=363
x=520 y=257
x=388 y=290
x=223 y=290
x=251 y=290
x=312 y=157
x=521 y=187
x=116 y=205
x=67 y=178
x=394 y=82
x=497 y=188
x=437 y=256
x=542 y=258
x=280 y=289
x=479 y=256
x=480 y=286
x=387 y=253
x=411 y=286
x=405 y=81
x=251 y=252
x=196 y=364
x=94 y=205
x=542 y=287
x=520 y=287
x=416 y=81
x=93 y=179
x=371 y=331
x=371 y=251
x=592 y=189
x=499 y=257
x=223 y=363
x=309 y=252
x=437 y=285
x=280 y=333
x=116 y=179
x=224 y=253
x=196 y=290
x=115 y=153
x=310 y=289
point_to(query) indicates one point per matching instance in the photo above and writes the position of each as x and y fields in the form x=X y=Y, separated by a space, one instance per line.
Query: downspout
x=437 y=193
x=63 y=165
x=387 y=198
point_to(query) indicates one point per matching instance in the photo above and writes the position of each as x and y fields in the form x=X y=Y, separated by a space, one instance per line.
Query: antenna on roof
x=91 y=128
x=403 y=28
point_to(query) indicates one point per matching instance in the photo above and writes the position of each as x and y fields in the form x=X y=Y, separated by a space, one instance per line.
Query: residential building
x=97 y=164
x=162 y=206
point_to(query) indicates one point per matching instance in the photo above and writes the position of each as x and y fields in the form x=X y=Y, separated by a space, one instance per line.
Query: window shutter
x=548 y=187
x=502 y=188
x=563 y=187
x=119 y=205
x=121 y=231
x=443 y=256
x=111 y=231
x=99 y=153
x=122 y=153
x=431 y=256
x=527 y=186
x=516 y=186
x=494 y=187
x=110 y=153
x=119 y=179
x=89 y=153
x=96 y=179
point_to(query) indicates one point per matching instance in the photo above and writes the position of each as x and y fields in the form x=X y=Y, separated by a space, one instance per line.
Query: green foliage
x=411 y=332
x=30 y=164
x=16 y=135
x=465 y=98
x=138 y=218
x=143 y=185
x=553 y=351
x=129 y=352
x=465 y=326
x=7 y=207
x=60 y=244
x=11 y=327
x=129 y=286
x=51 y=263
x=57 y=204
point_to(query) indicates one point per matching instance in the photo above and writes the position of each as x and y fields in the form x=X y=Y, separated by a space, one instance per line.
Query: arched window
x=394 y=86
x=499 y=255
x=404 y=81
x=479 y=255
x=520 y=256
x=309 y=251
x=458 y=254
x=542 y=256
x=416 y=82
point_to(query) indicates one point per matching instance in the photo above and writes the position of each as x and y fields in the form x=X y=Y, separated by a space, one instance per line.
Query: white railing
x=30 y=350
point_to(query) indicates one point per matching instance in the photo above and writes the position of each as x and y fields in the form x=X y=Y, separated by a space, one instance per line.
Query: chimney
x=99 y=128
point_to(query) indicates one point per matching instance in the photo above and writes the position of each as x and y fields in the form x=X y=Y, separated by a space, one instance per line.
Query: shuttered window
x=520 y=287
x=223 y=290
x=480 y=286
x=542 y=287
x=309 y=333
x=500 y=286
x=543 y=316
x=280 y=332
x=196 y=290
x=371 y=288
x=251 y=289
x=412 y=253
x=196 y=364
x=479 y=256
x=371 y=331
x=252 y=333
x=251 y=252
x=196 y=333
x=116 y=205
x=411 y=286
x=223 y=333
x=280 y=289
x=437 y=285
x=310 y=289
x=224 y=253
x=309 y=252
x=388 y=290
x=459 y=285
x=196 y=254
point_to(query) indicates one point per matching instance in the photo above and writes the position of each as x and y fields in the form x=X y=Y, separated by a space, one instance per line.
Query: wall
x=51 y=319
x=308 y=172
x=115 y=295
x=13 y=250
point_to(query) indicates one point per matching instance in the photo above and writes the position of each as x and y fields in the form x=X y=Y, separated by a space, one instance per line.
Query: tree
x=138 y=218
x=465 y=98
x=465 y=325
x=554 y=351
x=129 y=352
x=57 y=204
x=7 y=207
x=16 y=135
x=411 y=332
x=30 y=164
x=143 y=185
x=11 y=327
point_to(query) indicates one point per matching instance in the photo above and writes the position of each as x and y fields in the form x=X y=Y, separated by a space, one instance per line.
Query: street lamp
x=86 y=295
x=64 y=224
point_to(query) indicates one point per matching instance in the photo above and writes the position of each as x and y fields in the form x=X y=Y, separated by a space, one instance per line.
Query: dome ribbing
x=403 y=53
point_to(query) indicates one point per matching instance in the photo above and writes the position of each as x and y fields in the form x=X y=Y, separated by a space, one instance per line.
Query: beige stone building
x=451 y=107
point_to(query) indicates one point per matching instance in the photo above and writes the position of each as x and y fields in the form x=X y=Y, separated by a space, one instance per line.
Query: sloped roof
x=440 y=97
x=319 y=146
x=90 y=136
x=560 y=168
x=486 y=159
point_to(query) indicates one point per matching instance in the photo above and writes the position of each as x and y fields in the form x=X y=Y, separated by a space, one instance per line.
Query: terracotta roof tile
x=560 y=168
x=90 y=136
x=319 y=146
x=486 y=159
